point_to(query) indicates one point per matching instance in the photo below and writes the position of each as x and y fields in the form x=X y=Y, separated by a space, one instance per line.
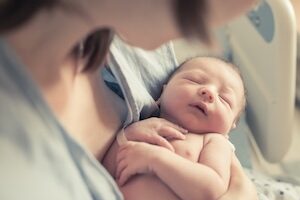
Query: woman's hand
x=240 y=187
x=135 y=158
x=155 y=131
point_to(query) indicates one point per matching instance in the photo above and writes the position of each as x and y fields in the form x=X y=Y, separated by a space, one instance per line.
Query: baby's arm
x=207 y=179
x=187 y=179
x=217 y=154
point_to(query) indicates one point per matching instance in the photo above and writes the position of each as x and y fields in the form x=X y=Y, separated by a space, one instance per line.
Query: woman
x=58 y=118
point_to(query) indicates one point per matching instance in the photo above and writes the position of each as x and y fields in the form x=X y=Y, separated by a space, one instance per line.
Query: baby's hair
x=229 y=64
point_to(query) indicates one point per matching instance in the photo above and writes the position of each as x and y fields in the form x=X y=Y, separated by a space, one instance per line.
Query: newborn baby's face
x=205 y=95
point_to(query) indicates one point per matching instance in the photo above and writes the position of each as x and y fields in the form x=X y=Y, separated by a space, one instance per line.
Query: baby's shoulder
x=214 y=137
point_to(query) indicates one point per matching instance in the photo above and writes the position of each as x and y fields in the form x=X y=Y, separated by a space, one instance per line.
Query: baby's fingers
x=121 y=165
x=124 y=176
x=161 y=141
x=171 y=133
x=121 y=161
x=181 y=130
x=122 y=173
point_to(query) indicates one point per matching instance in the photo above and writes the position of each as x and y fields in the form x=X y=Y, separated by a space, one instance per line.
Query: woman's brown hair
x=94 y=49
x=192 y=17
x=14 y=13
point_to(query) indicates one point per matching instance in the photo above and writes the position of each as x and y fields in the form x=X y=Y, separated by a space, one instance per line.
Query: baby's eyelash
x=198 y=81
x=191 y=80
x=226 y=101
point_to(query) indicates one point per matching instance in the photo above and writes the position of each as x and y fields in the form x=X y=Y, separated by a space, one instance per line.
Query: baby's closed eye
x=196 y=79
x=225 y=100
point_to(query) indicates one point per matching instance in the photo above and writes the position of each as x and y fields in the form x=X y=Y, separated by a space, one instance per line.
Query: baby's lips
x=201 y=107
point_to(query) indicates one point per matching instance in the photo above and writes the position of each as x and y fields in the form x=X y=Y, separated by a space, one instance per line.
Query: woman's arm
x=189 y=180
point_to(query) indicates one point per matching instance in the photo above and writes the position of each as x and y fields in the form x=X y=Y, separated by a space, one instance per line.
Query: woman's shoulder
x=37 y=154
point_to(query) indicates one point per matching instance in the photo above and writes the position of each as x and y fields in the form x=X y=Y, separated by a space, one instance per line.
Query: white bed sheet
x=273 y=189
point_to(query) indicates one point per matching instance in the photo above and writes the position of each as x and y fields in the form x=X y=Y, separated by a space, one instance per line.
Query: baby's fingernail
x=184 y=130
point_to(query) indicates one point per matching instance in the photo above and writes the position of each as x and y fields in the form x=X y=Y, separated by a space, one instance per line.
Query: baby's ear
x=233 y=125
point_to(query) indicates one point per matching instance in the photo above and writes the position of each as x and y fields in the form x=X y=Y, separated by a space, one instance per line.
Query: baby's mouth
x=201 y=107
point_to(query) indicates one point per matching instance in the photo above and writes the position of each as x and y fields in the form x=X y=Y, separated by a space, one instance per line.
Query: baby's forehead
x=206 y=65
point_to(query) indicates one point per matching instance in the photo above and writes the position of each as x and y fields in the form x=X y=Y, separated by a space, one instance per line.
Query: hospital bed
x=263 y=44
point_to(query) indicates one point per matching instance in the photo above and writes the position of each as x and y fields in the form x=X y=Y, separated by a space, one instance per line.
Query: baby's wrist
x=157 y=159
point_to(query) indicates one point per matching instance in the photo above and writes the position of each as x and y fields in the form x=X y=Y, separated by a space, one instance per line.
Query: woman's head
x=93 y=48
x=151 y=23
x=143 y=23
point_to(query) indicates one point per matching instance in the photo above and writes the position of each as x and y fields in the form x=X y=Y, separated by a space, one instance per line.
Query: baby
x=206 y=97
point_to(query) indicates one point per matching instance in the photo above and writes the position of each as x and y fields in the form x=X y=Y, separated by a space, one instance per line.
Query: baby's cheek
x=222 y=124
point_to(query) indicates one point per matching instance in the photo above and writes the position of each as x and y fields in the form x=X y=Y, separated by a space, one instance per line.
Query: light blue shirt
x=38 y=159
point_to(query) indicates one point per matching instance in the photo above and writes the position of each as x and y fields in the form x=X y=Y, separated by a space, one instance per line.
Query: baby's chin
x=199 y=128
x=196 y=127
x=188 y=123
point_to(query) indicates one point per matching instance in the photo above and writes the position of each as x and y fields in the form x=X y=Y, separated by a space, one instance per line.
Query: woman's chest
x=91 y=113
x=189 y=148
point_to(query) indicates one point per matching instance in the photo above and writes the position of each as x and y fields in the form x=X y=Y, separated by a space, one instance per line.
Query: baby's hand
x=135 y=158
x=155 y=131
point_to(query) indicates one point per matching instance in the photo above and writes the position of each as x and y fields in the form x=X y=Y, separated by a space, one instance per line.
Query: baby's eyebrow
x=200 y=74
x=197 y=73
x=228 y=89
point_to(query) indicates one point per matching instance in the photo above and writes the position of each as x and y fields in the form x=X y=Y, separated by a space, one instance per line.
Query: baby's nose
x=207 y=95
